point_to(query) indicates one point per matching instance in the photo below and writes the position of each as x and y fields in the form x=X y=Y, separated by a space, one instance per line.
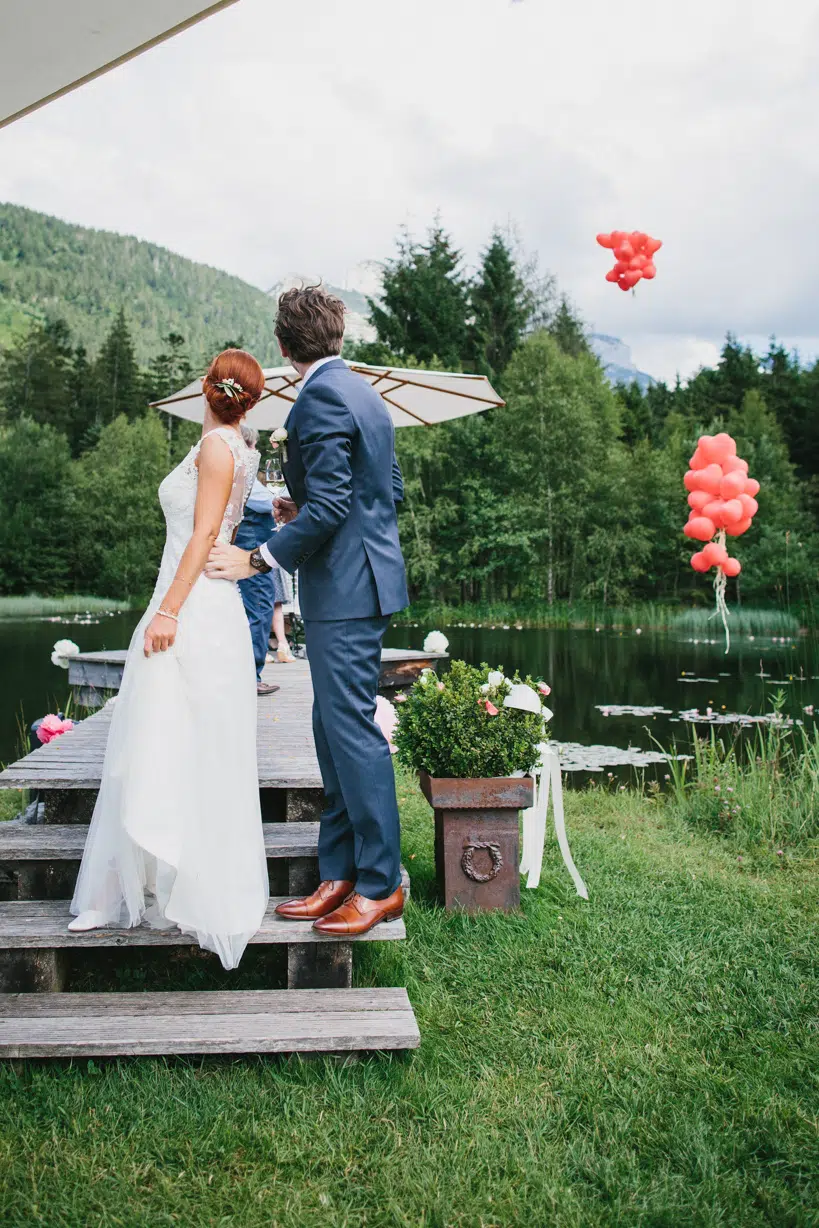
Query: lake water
x=589 y=672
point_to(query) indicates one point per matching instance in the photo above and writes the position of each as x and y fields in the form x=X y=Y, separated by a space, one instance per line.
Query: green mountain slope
x=51 y=269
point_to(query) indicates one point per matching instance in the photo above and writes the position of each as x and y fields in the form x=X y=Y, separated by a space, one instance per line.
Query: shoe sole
x=393 y=916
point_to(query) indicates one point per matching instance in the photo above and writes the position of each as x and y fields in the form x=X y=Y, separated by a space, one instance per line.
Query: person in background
x=262 y=595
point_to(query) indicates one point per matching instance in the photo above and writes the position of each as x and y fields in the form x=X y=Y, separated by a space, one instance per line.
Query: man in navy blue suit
x=339 y=529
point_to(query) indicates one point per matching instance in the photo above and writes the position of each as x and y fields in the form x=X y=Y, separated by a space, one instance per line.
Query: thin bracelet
x=167 y=614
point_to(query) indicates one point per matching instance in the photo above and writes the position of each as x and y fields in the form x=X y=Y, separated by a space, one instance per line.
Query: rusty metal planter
x=477 y=839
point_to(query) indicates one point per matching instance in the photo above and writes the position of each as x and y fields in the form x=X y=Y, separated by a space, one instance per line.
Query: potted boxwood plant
x=472 y=736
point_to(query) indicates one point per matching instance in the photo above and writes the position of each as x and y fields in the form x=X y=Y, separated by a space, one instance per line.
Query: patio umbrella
x=49 y=47
x=414 y=398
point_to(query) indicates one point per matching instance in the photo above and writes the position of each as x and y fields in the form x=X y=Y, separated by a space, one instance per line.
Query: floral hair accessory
x=229 y=386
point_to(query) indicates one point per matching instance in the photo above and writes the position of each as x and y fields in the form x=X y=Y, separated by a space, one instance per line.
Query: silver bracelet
x=168 y=614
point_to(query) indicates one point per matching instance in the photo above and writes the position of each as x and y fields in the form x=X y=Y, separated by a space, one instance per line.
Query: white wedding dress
x=176 y=837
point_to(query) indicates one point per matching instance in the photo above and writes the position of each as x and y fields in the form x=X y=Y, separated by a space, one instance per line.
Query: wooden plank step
x=66 y=841
x=42 y=925
x=262 y=1021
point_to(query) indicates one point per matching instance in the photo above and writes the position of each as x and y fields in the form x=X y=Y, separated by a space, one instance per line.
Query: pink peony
x=51 y=727
x=544 y=688
x=401 y=698
x=386 y=719
x=491 y=710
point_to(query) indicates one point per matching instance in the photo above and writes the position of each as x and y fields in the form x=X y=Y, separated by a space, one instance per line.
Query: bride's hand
x=159 y=634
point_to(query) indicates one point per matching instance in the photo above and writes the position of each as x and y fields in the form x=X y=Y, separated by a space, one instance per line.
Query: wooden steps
x=42 y=925
x=266 y=1021
x=319 y=1011
x=46 y=856
x=65 y=841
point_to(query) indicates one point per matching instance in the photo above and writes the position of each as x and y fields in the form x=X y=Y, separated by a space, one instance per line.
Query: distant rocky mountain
x=361 y=281
x=615 y=357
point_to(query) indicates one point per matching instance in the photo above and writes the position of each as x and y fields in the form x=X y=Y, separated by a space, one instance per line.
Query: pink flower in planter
x=491 y=710
x=51 y=727
x=544 y=688
x=401 y=699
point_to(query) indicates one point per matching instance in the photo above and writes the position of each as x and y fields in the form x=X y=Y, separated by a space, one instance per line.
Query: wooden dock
x=284 y=739
x=92 y=676
x=319 y=1011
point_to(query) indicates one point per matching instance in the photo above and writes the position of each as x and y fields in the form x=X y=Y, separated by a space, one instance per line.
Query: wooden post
x=32 y=971
x=312 y=965
x=69 y=805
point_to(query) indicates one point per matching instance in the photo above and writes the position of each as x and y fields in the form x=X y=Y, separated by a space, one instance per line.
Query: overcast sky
x=298 y=136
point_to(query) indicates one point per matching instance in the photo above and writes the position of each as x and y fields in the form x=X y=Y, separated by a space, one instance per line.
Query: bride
x=176 y=837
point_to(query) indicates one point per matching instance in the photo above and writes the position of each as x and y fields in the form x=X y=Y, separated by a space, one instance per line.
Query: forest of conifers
x=573 y=490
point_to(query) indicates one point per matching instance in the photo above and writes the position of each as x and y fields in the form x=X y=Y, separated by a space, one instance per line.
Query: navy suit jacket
x=342 y=473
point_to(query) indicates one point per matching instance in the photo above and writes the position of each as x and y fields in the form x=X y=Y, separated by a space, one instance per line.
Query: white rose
x=56 y=659
x=494 y=677
x=66 y=648
x=436 y=641
x=426 y=676
x=279 y=435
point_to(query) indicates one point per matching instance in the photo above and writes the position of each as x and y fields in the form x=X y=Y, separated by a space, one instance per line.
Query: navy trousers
x=258 y=595
x=359 y=837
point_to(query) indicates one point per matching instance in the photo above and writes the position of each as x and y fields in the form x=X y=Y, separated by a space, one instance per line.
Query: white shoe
x=88 y=920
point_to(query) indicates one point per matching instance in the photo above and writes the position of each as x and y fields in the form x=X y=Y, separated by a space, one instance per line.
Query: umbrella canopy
x=49 y=47
x=414 y=398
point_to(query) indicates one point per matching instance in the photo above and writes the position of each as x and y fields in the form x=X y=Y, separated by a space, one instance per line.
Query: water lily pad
x=631 y=710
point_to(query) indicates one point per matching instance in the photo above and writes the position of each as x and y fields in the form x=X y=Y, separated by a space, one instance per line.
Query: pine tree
x=35 y=375
x=501 y=308
x=424 y=306
x=568 y=330
x=119 y=389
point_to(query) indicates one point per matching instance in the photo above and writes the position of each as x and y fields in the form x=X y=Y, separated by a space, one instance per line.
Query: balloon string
x=720 y=585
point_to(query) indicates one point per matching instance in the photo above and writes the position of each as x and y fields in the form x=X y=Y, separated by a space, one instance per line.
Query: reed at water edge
x=41 y=607
x=578 y=615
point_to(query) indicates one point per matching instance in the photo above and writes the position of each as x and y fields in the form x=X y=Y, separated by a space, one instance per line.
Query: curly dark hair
x=310 y=323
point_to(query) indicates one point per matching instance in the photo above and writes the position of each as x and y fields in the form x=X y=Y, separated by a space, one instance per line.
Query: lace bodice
x=177 y=496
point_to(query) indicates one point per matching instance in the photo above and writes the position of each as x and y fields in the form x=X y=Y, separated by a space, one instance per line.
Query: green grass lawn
x=649 y=1058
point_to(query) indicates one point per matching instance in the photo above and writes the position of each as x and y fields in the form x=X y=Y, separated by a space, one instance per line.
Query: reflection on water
x=621 y=689
x=609 y=688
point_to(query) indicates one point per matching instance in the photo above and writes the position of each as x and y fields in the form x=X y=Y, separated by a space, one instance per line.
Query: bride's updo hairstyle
x=233 y=384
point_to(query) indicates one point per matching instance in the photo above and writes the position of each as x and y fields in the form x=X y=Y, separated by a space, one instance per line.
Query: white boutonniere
x=278 y=442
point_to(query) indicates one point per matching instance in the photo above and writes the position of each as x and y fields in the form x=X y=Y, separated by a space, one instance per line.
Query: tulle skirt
x=176 y=836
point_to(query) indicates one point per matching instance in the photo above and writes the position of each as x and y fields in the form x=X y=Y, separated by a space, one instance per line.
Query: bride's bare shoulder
x=215 y=454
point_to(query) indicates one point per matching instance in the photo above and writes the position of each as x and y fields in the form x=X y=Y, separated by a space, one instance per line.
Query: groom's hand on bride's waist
x=228 y=563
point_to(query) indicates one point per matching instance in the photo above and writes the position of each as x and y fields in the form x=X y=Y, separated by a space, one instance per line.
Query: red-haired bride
x=176 y=837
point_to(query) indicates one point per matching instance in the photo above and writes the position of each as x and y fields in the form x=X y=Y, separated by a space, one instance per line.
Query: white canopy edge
x=50 y=47
x=414 y=398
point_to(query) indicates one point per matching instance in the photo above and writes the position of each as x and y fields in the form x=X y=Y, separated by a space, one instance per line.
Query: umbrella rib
x=411 y=383
x=173 y=400
x=404 y=410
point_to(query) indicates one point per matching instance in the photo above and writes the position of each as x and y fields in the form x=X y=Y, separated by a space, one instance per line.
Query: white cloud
x=276 y=136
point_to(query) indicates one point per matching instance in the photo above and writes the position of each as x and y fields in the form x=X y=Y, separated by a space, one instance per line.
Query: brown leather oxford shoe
x=325 y=899
x=358 y=914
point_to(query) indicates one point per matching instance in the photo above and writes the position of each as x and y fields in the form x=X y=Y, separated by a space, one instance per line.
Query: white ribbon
x=534 y=822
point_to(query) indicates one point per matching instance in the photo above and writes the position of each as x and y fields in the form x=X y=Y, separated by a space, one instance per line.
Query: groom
x=339 y=529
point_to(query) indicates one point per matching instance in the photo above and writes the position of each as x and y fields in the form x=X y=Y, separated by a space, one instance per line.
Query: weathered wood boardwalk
x=256 y=1021
x=318 y=1011
x=285 y=747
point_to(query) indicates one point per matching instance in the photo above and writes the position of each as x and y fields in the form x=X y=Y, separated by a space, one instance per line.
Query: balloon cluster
x=722 y=501
x=634 y=257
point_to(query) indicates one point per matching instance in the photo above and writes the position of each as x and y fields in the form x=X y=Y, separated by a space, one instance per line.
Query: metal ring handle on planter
x=467 y=864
